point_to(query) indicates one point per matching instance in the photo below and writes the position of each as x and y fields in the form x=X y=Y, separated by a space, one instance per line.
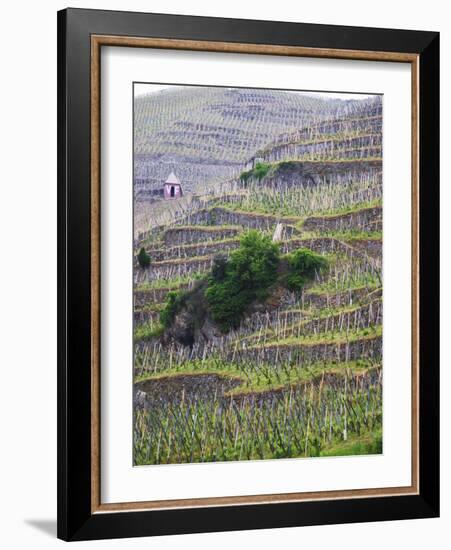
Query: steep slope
x=207 y=134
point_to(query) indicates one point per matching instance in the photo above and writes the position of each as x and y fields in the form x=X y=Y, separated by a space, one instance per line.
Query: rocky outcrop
x=191 y=322
x=139 y=399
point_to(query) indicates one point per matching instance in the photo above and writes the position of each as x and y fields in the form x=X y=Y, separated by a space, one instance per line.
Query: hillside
x=207 y=134
x=258 y=321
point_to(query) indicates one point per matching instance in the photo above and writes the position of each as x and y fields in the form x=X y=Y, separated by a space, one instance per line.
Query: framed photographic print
x=248 y=274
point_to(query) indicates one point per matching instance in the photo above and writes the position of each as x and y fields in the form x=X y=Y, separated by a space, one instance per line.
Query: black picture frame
x=75 y=518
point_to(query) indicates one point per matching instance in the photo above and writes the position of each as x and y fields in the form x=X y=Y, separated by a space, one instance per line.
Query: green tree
x=143 y=258
x=219 y=267
x=244 y=278
x=171 y=307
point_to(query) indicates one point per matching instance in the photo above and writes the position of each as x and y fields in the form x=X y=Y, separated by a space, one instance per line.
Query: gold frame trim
x=97 y=41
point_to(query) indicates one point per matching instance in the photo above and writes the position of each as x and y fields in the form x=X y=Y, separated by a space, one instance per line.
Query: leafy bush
x=245 y=277
x=302 y=266
x=172 y=305
x=219 y=267
x=259 y=171
x=143 y=258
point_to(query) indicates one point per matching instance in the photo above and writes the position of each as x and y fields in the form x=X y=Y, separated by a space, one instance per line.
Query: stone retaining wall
x=339 y=299
x=223 y=216
x=320 y=245
x=372 y=247
x=144 y=316
x=192 y=251
x=361 y=220
x=366 y=348
x=171 y=269
x=189 y=235
x=154 y=295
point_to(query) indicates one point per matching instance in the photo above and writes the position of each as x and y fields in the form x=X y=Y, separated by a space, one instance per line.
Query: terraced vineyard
x=258 y=321
x=206 y=133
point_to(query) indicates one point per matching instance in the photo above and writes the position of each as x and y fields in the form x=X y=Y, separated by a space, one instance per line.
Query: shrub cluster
x=173 y=303
x=259 y=171
x=143 y=258
x=302 y=266
x=235 y=283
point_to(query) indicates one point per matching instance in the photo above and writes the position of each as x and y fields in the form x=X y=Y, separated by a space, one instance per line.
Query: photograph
x=257 y=274
x=248 y=272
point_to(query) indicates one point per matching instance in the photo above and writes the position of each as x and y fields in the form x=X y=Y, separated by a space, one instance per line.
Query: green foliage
x=143 y=258
x=258 y=172
x=245 y=277
x=218 y=270
x=194 y=306
x=172 y=305
x=288 y=164
x=147 y=331
x=302 y=265
x=367 y=444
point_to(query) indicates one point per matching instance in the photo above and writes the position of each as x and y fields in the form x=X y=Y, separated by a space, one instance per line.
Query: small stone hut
x=172 y=187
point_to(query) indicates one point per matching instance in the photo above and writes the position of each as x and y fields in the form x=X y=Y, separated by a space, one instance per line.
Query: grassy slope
x=368 y=443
